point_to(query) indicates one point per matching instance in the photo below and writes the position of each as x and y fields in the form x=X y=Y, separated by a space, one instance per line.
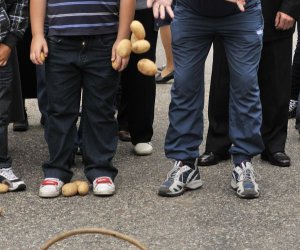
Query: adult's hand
x=240 y=3
x=160 y=7
x=283 y=21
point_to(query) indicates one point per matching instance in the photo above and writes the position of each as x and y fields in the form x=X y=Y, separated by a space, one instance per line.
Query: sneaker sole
x=48 y=195
x=104 y=193
x=165 y=192
x=21 y=187
x=247 y=194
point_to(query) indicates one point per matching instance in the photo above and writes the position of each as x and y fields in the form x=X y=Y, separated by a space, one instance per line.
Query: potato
x=140 y=46
x=69 y=189
x=137 y=29
x=83 y=188
x=133 y=38
x=147 y=67
x=42 y=56
x=114 y=65
x=3 y=188
x=124 y=48
x=77 y=182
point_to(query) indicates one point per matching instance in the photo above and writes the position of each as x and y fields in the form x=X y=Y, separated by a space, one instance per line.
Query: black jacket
x=270 y=9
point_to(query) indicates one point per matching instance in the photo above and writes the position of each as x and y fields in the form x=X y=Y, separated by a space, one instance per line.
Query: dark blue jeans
x=192 y=36
x=74 y=62
x=6 y=95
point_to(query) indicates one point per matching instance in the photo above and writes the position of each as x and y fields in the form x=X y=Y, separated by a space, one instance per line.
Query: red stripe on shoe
x=49 y=182
x=103 y=180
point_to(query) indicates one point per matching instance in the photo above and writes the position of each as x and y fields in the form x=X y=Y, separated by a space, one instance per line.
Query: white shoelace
x=292 y=105
x=248 y=174
x=8 y=173
x=172 y=173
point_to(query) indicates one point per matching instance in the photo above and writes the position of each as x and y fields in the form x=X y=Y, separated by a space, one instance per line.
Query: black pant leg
x=140 y=88
x=218 y=110
x=274 y=76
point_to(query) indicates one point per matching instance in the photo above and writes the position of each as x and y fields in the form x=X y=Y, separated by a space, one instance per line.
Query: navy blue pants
x=192 y=36
x=74 y=62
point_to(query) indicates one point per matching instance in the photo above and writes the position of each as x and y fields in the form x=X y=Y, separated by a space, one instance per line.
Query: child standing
x=13 y=22
x=81 y=43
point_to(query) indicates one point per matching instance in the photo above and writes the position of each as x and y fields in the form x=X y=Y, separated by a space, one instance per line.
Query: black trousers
x=137 y=101
x=296 y=69
x=217 y=140
x=274 y=76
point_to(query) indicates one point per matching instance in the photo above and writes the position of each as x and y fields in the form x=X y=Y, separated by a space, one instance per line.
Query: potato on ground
x=140 y=46
x=83 y=188
x=3 y=188
x=147 y=67
x=138 y=29
x=124 y=48
x=69 y=189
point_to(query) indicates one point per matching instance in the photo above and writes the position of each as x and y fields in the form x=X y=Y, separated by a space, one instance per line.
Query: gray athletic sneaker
x=8 y=176
x=182 y=177
x=243 y=181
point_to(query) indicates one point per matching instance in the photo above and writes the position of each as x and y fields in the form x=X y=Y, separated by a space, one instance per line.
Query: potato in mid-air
x=138 y=29
x=140 y=46
x=147 y=67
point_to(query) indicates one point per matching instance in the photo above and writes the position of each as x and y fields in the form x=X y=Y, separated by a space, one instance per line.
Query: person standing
x=274 y=76
x=136 y=107
x=195 y=25
x=80 y=47
x=13 y=22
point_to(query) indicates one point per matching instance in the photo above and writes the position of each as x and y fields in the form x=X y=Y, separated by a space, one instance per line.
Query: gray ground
x=209 y=218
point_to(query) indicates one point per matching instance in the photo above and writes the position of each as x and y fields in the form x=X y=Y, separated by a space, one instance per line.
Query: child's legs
x=6 y=78
x=99 y=126
x=63 y=88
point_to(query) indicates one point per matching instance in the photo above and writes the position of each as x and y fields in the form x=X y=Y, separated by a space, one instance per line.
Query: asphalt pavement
x=212 y=217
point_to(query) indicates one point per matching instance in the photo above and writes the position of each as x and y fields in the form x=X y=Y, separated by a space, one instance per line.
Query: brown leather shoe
x=124 y=135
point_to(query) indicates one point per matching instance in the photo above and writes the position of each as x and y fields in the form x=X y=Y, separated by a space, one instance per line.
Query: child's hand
x=239 y=3
x=4 y=54
x=38 y=50
x=118 y=63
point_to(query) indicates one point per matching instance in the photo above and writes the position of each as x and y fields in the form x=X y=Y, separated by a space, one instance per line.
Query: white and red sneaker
x=103 y=186
x=50 y=188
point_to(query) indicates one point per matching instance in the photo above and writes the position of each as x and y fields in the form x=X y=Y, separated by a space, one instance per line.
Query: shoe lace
x=172 y=173
x=8 y=174
x=248 y=174
x=292 y=105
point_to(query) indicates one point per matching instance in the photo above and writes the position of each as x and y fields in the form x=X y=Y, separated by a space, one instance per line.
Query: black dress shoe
x=209 y=159
x=124 y=135
x=278 y=159
x=21 y=126
x=160 y=79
